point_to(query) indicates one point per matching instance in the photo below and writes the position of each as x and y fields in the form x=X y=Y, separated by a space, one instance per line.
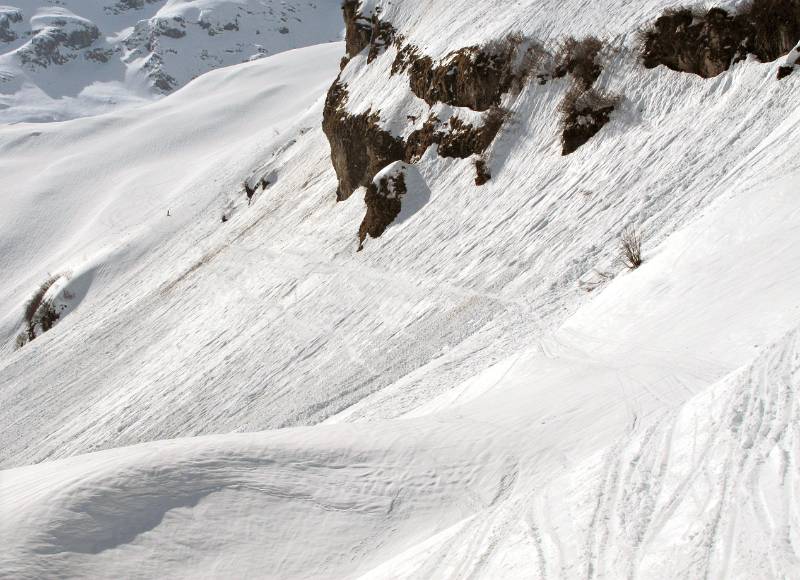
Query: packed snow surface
x=482 y=392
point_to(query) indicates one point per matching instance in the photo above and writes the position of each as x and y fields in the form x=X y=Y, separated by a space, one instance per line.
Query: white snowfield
x=255 y=399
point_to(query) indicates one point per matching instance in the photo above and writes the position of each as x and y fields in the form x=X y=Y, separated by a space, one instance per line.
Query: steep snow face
x=483 y=391
x=80 y=58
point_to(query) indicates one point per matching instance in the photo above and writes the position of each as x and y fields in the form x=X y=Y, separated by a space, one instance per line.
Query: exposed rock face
x=364 y=31
x=125 y=5
x=358 y=28
x=584 y=113
x=58 y=40
x=775 y=28
x=474 y=77
x=359 y=147
x=454 y=137
x=482 y=173
x=708 y=44
x=791 y=62
x=8 y=17
x=584 y=110
x=384 y=202
x=471 y=77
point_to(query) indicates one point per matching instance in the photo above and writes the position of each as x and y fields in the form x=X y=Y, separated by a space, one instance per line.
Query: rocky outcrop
x=790 y=64
x=482 y=173
x=384 y=202
x=57 y=40
x=473 y=77
x=454 y=137
x=707 y=44
x=365 y=31
x=123 y=6
x=584 y=110
x=583 y=114
x=8 y=18
x=359 y=147
x=358 y=28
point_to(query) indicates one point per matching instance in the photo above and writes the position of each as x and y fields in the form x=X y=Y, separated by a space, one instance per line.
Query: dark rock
x=359 y=147
x=384 y=202
x=583 y=114
x=708 y=44
x=365 y=31
x=99 y=54
x=46 y=47
x=482 y=173
x=471 y=77
x=8 y=17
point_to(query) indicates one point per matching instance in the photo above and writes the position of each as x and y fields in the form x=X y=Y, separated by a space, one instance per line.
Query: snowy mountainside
x=299 y=339
x=70 y=59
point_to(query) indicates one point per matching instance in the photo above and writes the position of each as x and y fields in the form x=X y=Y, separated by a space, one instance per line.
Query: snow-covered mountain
x=358 y=309
x=60 y=60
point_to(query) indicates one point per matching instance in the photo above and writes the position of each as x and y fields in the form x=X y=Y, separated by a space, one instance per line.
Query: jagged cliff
x=456 y=101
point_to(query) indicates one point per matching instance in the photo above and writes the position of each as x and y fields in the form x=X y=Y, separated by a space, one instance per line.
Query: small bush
x=630 y=247
x=578 y=58
x=46 y=316
x=34 y=304
x=249 y=191
x=39 y=312
x=529 y=63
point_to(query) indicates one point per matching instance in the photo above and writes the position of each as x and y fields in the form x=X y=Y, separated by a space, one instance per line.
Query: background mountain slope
x=454 y=402
x=71 y=59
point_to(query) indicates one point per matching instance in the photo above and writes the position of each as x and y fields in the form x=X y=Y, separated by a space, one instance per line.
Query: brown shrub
x=630 y=248
x=39 y=312
x=578 y=58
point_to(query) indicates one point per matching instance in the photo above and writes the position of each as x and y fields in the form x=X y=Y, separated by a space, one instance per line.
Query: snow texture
x=482 y=392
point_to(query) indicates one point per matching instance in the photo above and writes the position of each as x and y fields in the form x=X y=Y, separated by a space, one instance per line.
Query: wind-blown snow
x=262 y=400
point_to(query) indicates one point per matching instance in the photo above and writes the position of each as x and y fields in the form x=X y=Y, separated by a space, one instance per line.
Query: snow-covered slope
x=77 y=58
x=454 y=402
